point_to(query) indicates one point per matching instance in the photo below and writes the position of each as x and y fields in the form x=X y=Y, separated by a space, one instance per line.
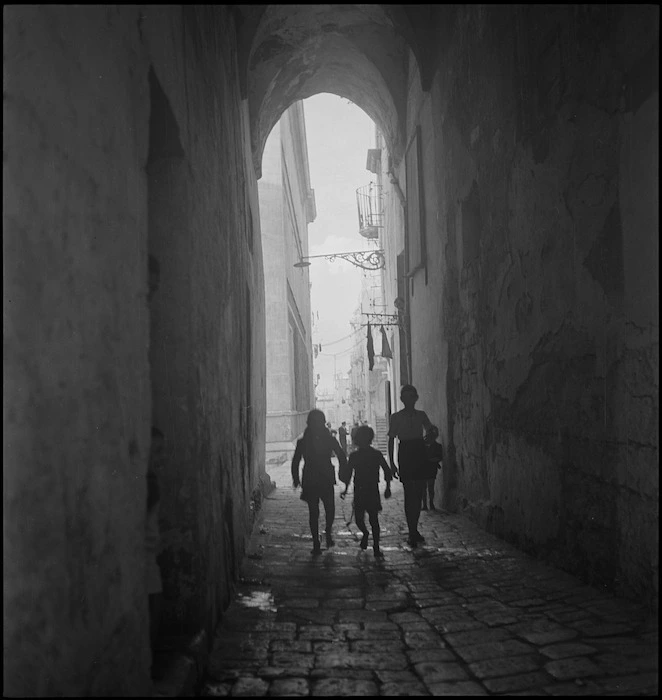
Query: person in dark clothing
x=318 y=477
x=409 y=426
x=435 y=454
x=365 y=464
x=355 y=427
x=342 y=435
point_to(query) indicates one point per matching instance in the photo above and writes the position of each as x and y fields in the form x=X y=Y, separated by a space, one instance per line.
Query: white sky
x=339 y=135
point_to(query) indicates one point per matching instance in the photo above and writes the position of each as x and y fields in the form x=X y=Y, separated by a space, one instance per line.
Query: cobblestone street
x=463 y=614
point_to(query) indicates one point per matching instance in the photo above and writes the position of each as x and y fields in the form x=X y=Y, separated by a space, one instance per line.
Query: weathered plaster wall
x=208 y=345
x=78 y=205
x=543 y=261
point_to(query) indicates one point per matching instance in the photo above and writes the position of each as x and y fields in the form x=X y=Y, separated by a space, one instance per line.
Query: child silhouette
x=365 y=464
x=435 y=455
x=318 y=478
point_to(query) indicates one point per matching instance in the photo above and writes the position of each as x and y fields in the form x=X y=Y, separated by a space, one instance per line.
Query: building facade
x=287 y=206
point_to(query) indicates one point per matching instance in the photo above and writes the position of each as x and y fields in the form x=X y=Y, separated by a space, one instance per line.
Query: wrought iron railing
x=371 y=210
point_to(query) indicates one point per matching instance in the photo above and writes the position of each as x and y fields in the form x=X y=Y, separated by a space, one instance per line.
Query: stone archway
x=361 y=53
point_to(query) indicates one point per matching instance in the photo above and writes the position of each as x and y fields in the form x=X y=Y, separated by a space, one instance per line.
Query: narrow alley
x=465 y=614
x=177 y=186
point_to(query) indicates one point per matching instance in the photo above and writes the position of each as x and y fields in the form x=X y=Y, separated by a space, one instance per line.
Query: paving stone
x=529 y=693
x=462 y=688
x=473 y=591
x=528 y=603
x=249 y=687
x=434 y=672
x=494 y=619
x=269 y=673
x=343 y=687
x=352 y=674
x=345 y=626
x=632 y=684
x=336 y=647
x=361 y=616
x=301 y=603
x=367 y=646
x=563 y=651
x=320 y=633
x=287 y=687
x=421 y=626
x=524 y=681
x=543 y=633
x=570 y=616
x=400 y=618
x=389 y=606
x=363 y=660
x=216 y=690
x=460 y=625
x=401 y=689
x=576 y=667
x=405 y=676
x=582 y=687
x=384 y=625
x=392 y=635
x=614 y=664
x=602 y=630
x=343 y=603
x=304 y=646
x=493 y=650
x=321 y=617
x=292 y=660
x=418 y=656
x=423 y=640
x=462 y=639
x=493 y=668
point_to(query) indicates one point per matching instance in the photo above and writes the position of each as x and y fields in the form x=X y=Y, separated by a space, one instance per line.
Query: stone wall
x=91 y=186
x=542 y=211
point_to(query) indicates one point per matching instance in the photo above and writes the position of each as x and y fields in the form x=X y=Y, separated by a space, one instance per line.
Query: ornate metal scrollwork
x=365 y=259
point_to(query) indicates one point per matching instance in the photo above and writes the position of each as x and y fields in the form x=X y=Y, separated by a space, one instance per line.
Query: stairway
x=381 y=435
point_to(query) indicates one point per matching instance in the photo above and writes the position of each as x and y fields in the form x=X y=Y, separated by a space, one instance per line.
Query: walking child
x=364 y=463
x=435 y=454
x=318 y=478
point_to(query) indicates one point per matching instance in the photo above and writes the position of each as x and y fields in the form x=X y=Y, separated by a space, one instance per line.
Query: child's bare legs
x=431 y=493
x=374 y=524
x=313 y=520
x=329 y=500
x=413 y=489
x=359 y=515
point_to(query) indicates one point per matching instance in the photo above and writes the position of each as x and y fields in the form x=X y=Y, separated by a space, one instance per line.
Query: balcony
x=371 y=210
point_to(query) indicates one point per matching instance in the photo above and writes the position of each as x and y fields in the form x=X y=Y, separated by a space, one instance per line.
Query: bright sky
x=339 y=135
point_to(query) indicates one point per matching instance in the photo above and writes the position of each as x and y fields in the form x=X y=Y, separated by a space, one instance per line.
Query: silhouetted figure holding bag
x=318 y=478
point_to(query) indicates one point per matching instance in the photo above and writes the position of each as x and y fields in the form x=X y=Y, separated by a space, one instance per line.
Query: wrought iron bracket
x=365 y=259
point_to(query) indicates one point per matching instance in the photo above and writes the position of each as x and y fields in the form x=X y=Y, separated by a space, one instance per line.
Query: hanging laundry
x=371 y=349
x=386 y=348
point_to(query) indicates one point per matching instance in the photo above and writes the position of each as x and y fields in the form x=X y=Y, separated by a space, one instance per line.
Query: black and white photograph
x=331 y=350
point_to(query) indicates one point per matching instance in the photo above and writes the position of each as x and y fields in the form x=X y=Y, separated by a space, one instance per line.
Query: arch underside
x=353 y=51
